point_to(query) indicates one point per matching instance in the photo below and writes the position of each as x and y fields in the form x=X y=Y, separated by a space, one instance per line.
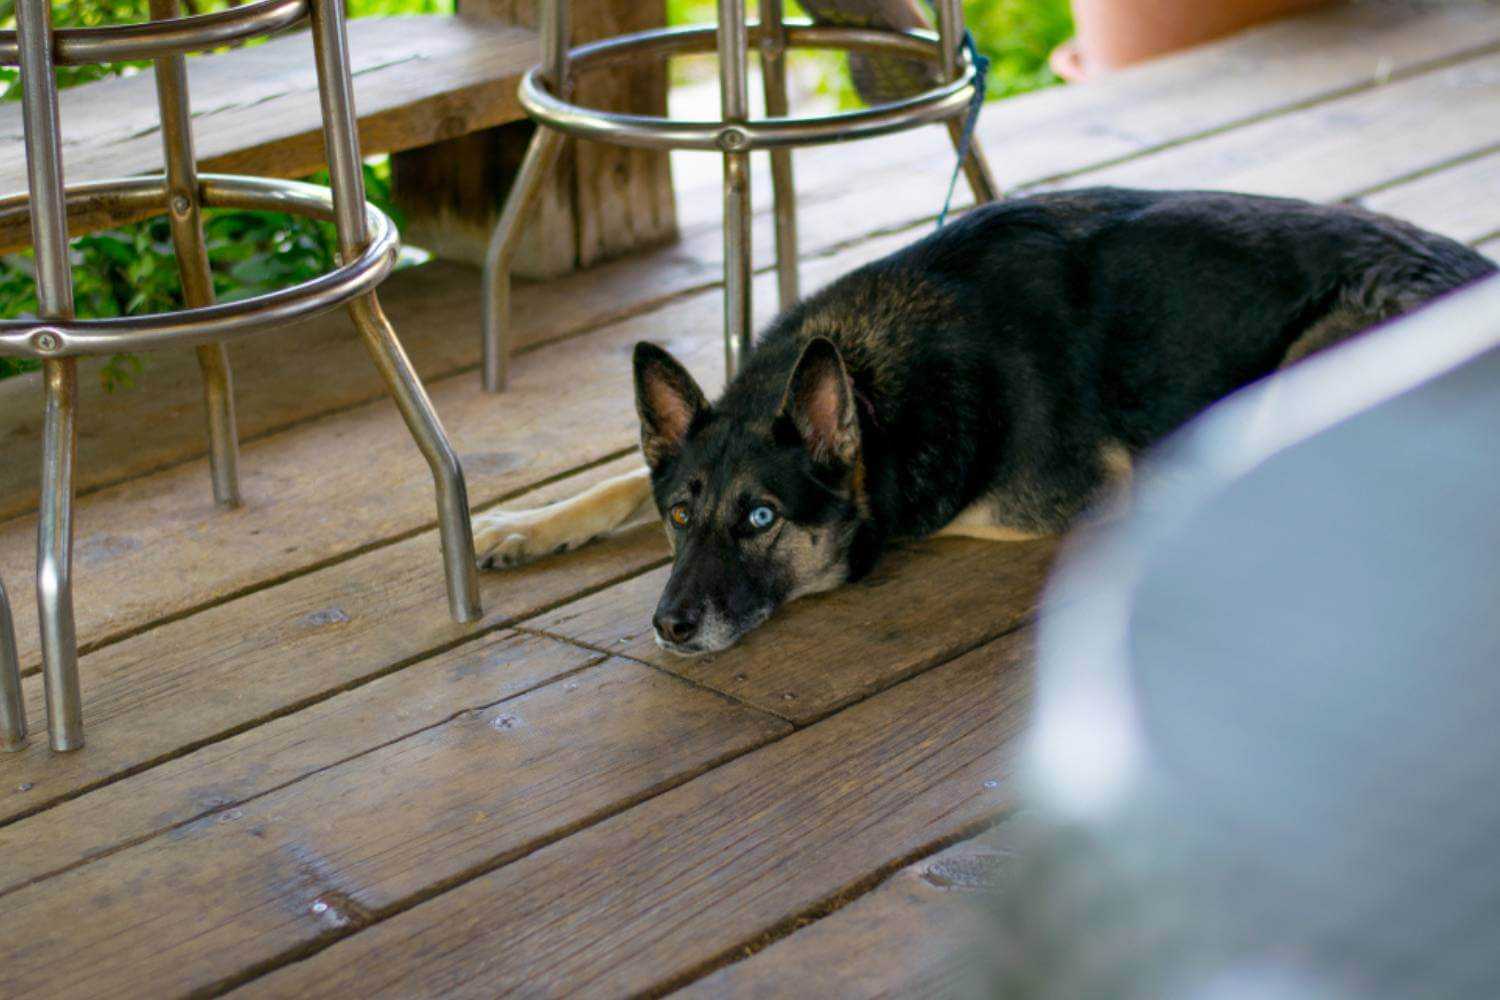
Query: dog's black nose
x=677 y=625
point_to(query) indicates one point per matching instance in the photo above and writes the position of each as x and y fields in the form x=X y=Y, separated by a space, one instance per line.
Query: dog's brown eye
x=679 y=515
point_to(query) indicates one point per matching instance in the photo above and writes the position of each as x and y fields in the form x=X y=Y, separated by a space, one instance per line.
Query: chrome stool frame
x=544 y=94
x=368 y=246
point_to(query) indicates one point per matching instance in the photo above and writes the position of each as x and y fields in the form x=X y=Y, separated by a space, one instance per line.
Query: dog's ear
x=668 y=401
x=820 y=404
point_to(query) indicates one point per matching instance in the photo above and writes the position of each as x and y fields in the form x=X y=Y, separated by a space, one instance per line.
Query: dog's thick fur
x=992 y=380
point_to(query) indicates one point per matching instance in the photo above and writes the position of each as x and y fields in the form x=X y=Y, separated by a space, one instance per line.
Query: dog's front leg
x=512 y=537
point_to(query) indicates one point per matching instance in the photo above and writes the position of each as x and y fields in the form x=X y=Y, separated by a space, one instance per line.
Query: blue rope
x=981 y=74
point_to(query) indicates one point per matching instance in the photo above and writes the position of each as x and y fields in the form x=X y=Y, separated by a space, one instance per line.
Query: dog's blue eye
x=762 y=518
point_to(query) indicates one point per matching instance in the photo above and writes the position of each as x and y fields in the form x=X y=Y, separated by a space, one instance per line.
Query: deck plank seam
x=691 y=681
x=842 y=898
x=237 y=803
x=480 y=869
x=1424 y=172
x=1367 y=85
x=921 y=666
x=488 y=628
x=827 y=906
x=84 y=648
x=851 y=891
x=602 y=656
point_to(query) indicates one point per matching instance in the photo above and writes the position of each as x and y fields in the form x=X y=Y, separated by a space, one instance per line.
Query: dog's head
x=761 y=505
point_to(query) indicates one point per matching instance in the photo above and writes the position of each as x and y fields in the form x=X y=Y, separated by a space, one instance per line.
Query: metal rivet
x=732 y=138
x=46 y=341
x=180 y=204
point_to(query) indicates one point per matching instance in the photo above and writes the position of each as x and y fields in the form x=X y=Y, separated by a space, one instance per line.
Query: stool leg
x=976 y=167
x=735 y=103
x=223 y=437
x=456 y=533
x=12 y=701
x=54 y=556
x=54 y=292
x=950 y=17
x=541 y=155
x=341 y=143
x=773 y=77
x=184 y=215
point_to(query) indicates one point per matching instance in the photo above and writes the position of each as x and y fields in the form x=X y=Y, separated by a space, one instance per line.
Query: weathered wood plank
x=921 y=606
x=207 y=676
x=346 y=845
x=255 y=110
x=225 y=774
x=1342 y=148
x=353 y=480
x=913 y=935
x=646 y=898
x=1457 y=201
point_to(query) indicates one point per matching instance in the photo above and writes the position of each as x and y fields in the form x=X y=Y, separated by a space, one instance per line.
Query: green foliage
x=76 y=14
x=1016 y=35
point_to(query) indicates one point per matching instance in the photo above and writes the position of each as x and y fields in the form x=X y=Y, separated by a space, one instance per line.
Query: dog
x=993 y=380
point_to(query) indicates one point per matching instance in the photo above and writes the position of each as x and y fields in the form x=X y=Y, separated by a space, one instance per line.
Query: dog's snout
x=677 y=624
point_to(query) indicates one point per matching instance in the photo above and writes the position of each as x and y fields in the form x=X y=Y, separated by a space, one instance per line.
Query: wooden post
x=603 y=201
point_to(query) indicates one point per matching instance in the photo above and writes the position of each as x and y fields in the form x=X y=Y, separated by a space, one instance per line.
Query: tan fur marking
x=978 y=521
x=813 y=556
x=511 y=537
x=1332 y=329
x=983 y=519
x=1119 y=470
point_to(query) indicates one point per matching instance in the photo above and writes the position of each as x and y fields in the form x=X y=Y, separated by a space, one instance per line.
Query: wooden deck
x=302 y=778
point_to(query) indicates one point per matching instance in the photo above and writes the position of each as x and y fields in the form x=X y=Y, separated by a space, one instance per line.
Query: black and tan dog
x=992 y=380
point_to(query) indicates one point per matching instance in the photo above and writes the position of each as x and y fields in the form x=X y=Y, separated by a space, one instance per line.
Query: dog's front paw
x=511 y=538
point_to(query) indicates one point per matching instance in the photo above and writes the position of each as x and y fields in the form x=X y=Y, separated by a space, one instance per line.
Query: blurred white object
x=1266 y=739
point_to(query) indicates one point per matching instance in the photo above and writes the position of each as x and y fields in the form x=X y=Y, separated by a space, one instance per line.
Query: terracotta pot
x=1116 y=33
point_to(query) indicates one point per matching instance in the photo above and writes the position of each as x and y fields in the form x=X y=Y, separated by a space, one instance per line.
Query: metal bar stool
x=368 y=247
x=544 y=94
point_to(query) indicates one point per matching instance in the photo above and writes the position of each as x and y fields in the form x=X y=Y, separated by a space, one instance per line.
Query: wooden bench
x=419 y=81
